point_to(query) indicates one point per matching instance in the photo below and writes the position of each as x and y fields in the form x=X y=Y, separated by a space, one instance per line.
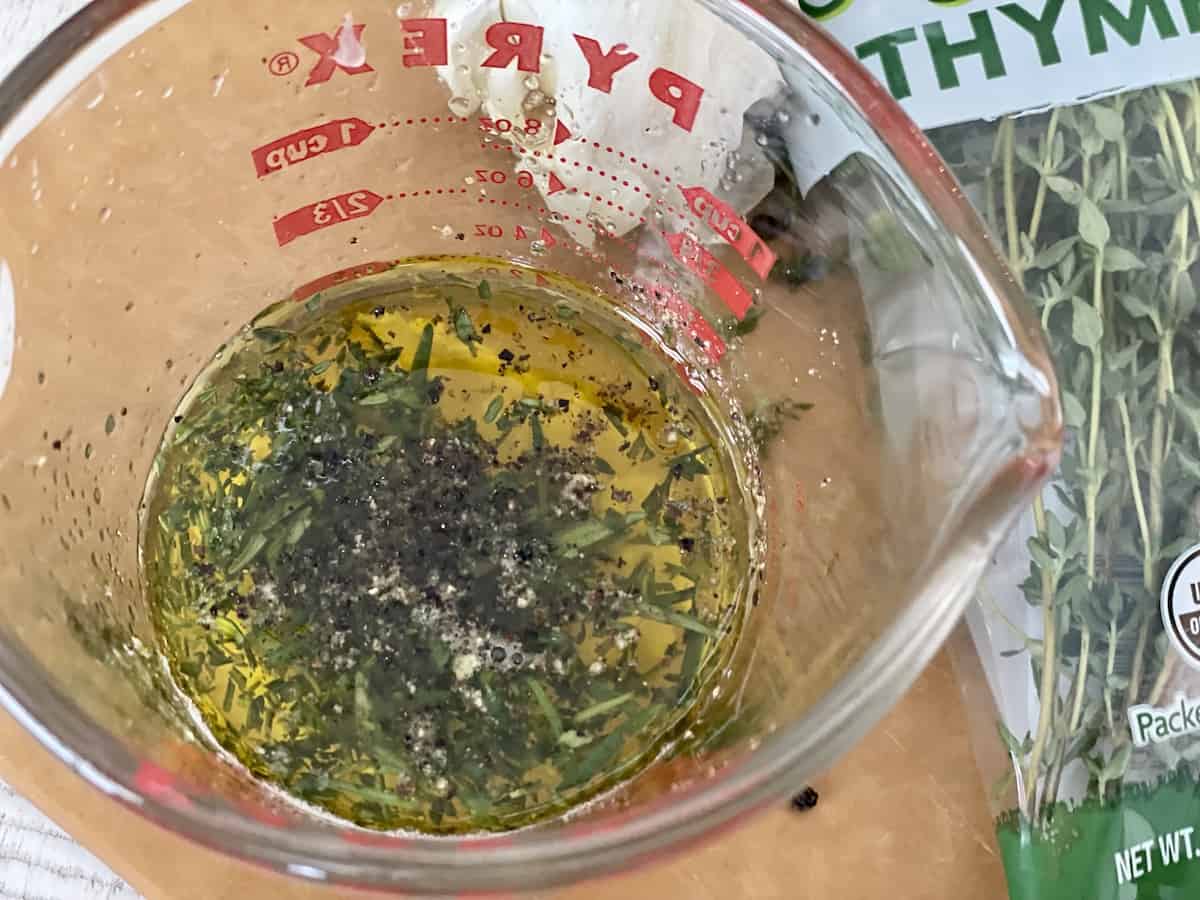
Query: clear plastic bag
x=1086 y=624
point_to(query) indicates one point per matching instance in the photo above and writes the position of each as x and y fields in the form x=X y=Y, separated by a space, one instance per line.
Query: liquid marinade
x=454 y=555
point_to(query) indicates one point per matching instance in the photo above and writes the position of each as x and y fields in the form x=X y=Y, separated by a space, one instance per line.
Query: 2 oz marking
x=324 y=214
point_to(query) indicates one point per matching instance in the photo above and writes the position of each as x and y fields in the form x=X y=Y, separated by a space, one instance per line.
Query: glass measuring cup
x=180 y=166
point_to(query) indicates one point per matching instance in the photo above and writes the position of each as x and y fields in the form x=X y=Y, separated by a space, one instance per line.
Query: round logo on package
x=1181 y=606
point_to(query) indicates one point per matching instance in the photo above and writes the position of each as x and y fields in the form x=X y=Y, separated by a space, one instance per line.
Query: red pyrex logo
x=327 y=46
x=426 y=43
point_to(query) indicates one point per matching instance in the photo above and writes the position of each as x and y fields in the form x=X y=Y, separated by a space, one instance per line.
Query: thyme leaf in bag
x=1098 y=212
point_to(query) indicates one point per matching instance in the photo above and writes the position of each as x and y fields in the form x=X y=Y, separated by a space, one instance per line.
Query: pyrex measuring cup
x=722 y=172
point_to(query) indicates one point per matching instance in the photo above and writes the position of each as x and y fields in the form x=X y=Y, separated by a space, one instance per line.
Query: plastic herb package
x=1074 y=126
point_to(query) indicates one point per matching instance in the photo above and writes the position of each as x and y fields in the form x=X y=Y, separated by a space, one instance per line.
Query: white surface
x=25 y=22
x=38 y=861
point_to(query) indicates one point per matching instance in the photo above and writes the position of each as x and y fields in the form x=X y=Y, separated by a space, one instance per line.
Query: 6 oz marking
x=497 y=176
x=284 y=63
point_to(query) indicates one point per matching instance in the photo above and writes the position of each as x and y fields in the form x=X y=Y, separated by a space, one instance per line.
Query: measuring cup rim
x=552 y=856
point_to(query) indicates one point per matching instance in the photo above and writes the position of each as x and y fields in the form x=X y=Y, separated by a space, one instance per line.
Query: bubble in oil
x=532 y=82
x=460 y=106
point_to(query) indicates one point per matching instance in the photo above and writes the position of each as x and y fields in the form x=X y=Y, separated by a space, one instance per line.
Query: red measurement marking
x=548 y=239
x=326 y=45
x=324 y=214
x=697 y=327
x=264 y=814
x=556 y=185
x=710 y=270
x=156 y=782
x=325 y=282
x=308 y=144
x=375 y=840
x=724 y=221
x=561 y=133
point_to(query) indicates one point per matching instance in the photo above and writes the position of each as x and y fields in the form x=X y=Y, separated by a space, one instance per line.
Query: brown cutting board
x=903 y=817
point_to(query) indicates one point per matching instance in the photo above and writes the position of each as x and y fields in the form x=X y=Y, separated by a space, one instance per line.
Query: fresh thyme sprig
x=1098 y=210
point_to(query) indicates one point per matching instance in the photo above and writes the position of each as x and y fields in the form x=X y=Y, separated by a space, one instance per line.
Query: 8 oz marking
x=504 y=126
x=284 y=63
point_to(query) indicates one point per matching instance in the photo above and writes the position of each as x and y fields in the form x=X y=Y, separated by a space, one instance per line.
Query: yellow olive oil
x=453 y=554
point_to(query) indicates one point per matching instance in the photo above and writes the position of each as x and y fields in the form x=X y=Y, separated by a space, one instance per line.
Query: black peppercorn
x=804 y=801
